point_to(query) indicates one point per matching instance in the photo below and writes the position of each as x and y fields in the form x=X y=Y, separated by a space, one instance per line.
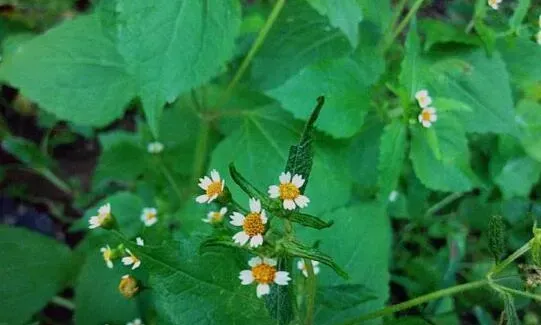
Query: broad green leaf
x=346 y=94
x=97 y=298
x=122 y=159
x=451 y=173
x=34 y=269
x=360 y=243
x=200 y=289
x=299 y=37
x=440 y=32
x=410 y=73
x=519 y=14
x=377 y=12
x=87 y=82
x=521 y=57
x=344 y=296
x=486 y=34
x=173 y=46
x=344 y=14
x=391 y=158
x=259 y=148
x=408 y=321
x=26 y=151
x=125 y=207
x=529 y=121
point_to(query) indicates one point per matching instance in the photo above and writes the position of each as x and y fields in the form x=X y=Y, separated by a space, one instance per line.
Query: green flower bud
x=496 y=237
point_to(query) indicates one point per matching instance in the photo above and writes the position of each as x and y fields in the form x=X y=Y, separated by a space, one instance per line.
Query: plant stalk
x=310 y=292
x=411 y=13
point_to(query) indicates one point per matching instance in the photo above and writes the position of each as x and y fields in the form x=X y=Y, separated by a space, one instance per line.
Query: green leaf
x=200 y=289
x=521 y=58
x=35 y=268
x=173 y=46
x=87 y=82
x=343 y=14
x=452 y=172
x=391 y=158
x=510 y=309
x=247 y=187
x=344 y=296
x=309 y=221
x=519 y=14
x=26 y=151
x=441 y=32
x=258 y=147
x=377 y=12
x=360 y=242
x=280 y=301
x=487 y=34
x=496 y=237
x=529 y=121
x=97 y=297
x=410 y=73
x=300 y=36
x=299 y=250
x=345 y=90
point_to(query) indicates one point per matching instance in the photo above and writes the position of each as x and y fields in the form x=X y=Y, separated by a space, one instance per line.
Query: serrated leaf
x=173 y=46
x=280 y=301
x=391 y=158
x=87 y=82
x=452 y=171
x=35 y=268
x=410 y=72
x=309 y=221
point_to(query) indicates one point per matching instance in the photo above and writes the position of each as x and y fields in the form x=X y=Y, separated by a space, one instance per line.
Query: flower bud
x=128 y=286
x=496 y=237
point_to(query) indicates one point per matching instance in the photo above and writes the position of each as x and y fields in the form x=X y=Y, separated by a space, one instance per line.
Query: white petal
x=302 y=201
x=281 y=278
x=205 y=182
x=298 y=181
x=208 y=220
x=237 y=219
x=140 y=241
x=420 y=118
x=433 y=117
x=316 y=269
x=150 y=222
x=212 y=198
x=263 y=216
x=289 y=205
x=300 y=265
x=241 y=238
x=136 y=264
x=202 y=198
x=262 y=289
x=315 y=263
x=430 y=110
x=285 y=178
x=128 y=260
x=215 y=175
x=256 y=241
x=255 y=205
x=274 y=191
x=109 y=264
x=223 y=211
x=270 y=261
x=255 y=261
x=246 y=277
x=105 y=209
x=427 y=124
x=421 y=93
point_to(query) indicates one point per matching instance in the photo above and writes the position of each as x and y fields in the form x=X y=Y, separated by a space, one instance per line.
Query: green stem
x=48 y=174
x=398 y=10
x=310 y=292
x=443 y=203
x=411 y=13
x=419 y=300
x=170 y=179
x=201 y=150
x=520 y=293
x=63 y=302
x=510 y=259
x=253 y=50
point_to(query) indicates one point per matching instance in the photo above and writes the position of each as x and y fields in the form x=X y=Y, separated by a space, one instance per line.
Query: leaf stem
x=63 y=302
x=51 y=177
x=411 y=13
x=310 y=291
x=443 y=203
x=520 y=293
x=170 y=179
x=253 y=50
x=510 y=259
x=419 y=300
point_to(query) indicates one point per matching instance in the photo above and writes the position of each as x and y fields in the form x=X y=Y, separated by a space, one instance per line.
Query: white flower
x=136 y=321
x=131 y=260
x=149 y=216
x=215 y=216
x=155 y=147
x=264 y=273
x=289 y=191
x=494 y=4
x=139 y=241
x=393 y=196
x=428 y=116
x=107 y=253
x=253 y=225
x=423 y=98
x=301 y=266
x=103 y=217
x=213 y=186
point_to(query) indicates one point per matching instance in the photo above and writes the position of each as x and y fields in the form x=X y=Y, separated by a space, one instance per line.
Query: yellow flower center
x=289 y=191
x=425 y=116
x=216 y=216
x=107 y=254
x=214 y=188
x=253 y=225
x=128 y=287
x=264 y=273
x=150 y=215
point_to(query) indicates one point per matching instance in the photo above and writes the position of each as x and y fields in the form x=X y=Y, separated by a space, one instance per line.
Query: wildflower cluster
x=428 y=113
x=494 y=4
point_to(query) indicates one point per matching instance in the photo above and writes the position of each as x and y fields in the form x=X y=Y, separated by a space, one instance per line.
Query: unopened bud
x=128 y=286
x=496 y=237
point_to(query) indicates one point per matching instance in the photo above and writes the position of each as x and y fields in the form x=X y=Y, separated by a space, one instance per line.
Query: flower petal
x=289 y=204
x=202 y=198
x=316 y=269
x=256 y=241
x=300 y=265
x=204 y=182
x=302 y=201
x=246 y=277
x=212 y=198
x=255 y=261
x=237 y=219
x=274 y=191
x=136 y=264
x=263 y=217
x=270 y=261
x=215 y=175
x=281 y=278
x=262 y=289
x=433 y=117
x=255 y=205
x=241 y=238
x=223 y=211
x=285 y=178
x=427 y=124
x=298 y=181
x=421 y=93
x=109 y=264
x=128 y=260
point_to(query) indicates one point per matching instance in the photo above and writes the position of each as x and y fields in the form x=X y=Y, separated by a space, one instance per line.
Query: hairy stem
x=310 y=292
x=411 y=13
x=510 y=259
x=443 y=203
x=253 y=50
x=520 y=293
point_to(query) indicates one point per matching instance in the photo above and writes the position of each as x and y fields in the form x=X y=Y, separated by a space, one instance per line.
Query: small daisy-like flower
x=289 y=191
x=264 y=273
x=139 y=241
x=213 y=186
x=103 y=219
x=494 y=4
x=155 y=147
x=215 y=216
x=423 y=98
x=253 y=225
x=136 y=321
x=128 y=286
x=149 y=216
x=302 y=267
x=107 y=253
x=131 y=260
x=428 y=116
x=393 y=196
